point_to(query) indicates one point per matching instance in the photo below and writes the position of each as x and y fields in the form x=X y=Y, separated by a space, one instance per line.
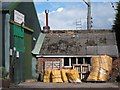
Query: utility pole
x=89 y=16
x=89 y=25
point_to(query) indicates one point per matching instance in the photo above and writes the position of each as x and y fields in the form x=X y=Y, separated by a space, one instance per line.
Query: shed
x=17 y=39
x=75 y=47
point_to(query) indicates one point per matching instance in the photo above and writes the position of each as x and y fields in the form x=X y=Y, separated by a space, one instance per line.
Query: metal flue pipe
x=46 y=11
x=46 y=28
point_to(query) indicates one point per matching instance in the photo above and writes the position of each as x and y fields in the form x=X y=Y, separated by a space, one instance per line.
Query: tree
x=116 y=26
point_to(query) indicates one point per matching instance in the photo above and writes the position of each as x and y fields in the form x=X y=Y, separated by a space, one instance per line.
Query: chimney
x=46 y=11
x=46 y=28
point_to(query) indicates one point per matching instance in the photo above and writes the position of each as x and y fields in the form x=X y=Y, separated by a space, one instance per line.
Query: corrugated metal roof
x=11 y=4
x=6 y=5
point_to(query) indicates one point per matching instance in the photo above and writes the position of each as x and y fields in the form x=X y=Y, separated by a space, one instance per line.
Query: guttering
x=62 y=56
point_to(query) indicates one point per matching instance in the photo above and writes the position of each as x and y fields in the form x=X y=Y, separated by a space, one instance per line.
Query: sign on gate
x=19 y=17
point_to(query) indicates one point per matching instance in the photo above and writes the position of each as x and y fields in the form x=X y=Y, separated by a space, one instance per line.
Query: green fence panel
x=18 y=32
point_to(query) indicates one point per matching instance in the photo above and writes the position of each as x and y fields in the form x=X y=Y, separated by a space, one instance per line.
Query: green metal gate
x=17 y=63
x=18 y=38
x=21 y=67
x=28 y=55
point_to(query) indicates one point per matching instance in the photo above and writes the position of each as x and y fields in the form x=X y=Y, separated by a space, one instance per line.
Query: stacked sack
x=101 y=67
x=56 y=76
x=73 y=76
x=64 y=76
x=47 y=76
x=60 y=76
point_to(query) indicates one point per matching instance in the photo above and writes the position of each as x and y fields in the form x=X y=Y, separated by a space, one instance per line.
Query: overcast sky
x=63 y=15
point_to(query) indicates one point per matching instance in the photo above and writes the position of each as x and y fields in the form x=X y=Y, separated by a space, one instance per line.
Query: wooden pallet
x=83 y=69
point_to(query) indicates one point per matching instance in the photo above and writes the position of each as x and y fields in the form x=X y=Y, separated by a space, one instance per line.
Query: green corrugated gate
x=22 y=66
x=18 y=38
x=28 y=55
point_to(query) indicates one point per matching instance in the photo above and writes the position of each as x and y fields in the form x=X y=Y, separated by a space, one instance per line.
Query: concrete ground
x=64 y=86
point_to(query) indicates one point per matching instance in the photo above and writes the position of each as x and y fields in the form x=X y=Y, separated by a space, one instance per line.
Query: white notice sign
x=19 y=17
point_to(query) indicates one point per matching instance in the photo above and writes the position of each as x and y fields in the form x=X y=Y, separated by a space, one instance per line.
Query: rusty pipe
x=46 y=11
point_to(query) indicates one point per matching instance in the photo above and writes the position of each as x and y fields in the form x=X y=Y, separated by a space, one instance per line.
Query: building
x=63 y=48
x=18 y=39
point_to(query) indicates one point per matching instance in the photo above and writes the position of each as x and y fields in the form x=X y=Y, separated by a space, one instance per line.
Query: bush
x=3 y=73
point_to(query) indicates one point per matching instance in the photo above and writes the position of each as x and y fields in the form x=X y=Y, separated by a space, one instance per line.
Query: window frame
x=77 y=60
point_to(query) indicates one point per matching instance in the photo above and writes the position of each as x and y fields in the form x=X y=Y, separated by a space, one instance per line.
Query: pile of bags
x=61 y=76
x=56 y=76
x=47 y=76
x=101 y=67
x=73 y=76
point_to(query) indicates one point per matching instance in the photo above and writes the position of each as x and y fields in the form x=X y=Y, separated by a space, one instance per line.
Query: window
x=66 y=61
x=87 y=60
x=73 y=61
x=80 y=60
x=69 y=61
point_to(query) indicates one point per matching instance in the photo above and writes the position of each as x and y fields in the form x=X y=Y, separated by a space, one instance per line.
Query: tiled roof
x=80 y=42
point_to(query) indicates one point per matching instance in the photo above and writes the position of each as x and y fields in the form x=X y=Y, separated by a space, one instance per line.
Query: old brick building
x=63 y=48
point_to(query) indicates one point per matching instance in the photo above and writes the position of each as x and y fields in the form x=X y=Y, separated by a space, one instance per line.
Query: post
x=89 y=16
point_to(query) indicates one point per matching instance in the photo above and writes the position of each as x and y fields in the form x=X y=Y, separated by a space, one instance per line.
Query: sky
x=64 y=15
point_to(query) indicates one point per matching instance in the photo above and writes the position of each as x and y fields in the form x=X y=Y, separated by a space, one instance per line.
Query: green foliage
x=3 y=73
x=116 y=26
